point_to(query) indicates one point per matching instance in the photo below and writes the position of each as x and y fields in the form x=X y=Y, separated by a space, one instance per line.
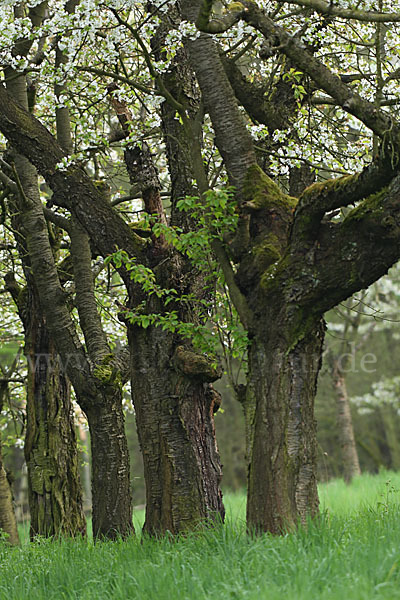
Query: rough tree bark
x=95 y=374
x=73 y=189
x=282 y=385
x=174 y=411
x=98 y=388
x=8 y=523
x=55 y=496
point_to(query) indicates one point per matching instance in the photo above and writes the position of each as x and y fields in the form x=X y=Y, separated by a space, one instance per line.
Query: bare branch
x=158 y=80
x=238 y=299
x=116 y=77
x=8 y=183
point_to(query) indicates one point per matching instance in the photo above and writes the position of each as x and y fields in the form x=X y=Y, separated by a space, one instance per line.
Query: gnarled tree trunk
x=174 y=410
x=171 y=383
x=55 y=496
x=54 y=488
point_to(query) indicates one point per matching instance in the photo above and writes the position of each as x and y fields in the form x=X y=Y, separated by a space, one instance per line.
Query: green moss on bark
x=235 y=7
x=106 y=372
x=196 y=365
x=324 y=187
x=260 y=192
x=372 y=206
x=267 y=252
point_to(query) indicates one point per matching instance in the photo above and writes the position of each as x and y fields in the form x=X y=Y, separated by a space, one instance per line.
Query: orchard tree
x=285 y=260
x=294 y=265
x=50 y=445
x=8 y=524
x=173 y=397
x=55 y=497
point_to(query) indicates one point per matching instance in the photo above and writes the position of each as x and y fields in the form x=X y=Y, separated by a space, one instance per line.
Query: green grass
x=351 y=552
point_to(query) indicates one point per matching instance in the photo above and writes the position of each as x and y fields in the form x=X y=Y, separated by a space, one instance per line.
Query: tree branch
x=323 y=197
x=238 y=299
x=52 y=297
x=231 y=135
x=89 y=318
x=122 y=363
x=16 y=292
x=116 y=77
x=254 y=101
x=378 y=121
x=72 y=188
x=326 y=8
x=221 y=24
x=351 y=255
x=159 y=82
x=326 y=100
x=141 y=169
x=57 y=219
x=8 y=183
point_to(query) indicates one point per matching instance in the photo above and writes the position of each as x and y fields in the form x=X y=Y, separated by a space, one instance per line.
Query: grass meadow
x=351 y=552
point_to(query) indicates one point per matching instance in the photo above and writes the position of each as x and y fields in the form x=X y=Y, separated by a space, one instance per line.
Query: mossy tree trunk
x=95 y=375
x=55 y=495
x=108 y=231
x=54 y=488
x=290 y=278
x=94 y=371
x=8 y=523
x=171 y=383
